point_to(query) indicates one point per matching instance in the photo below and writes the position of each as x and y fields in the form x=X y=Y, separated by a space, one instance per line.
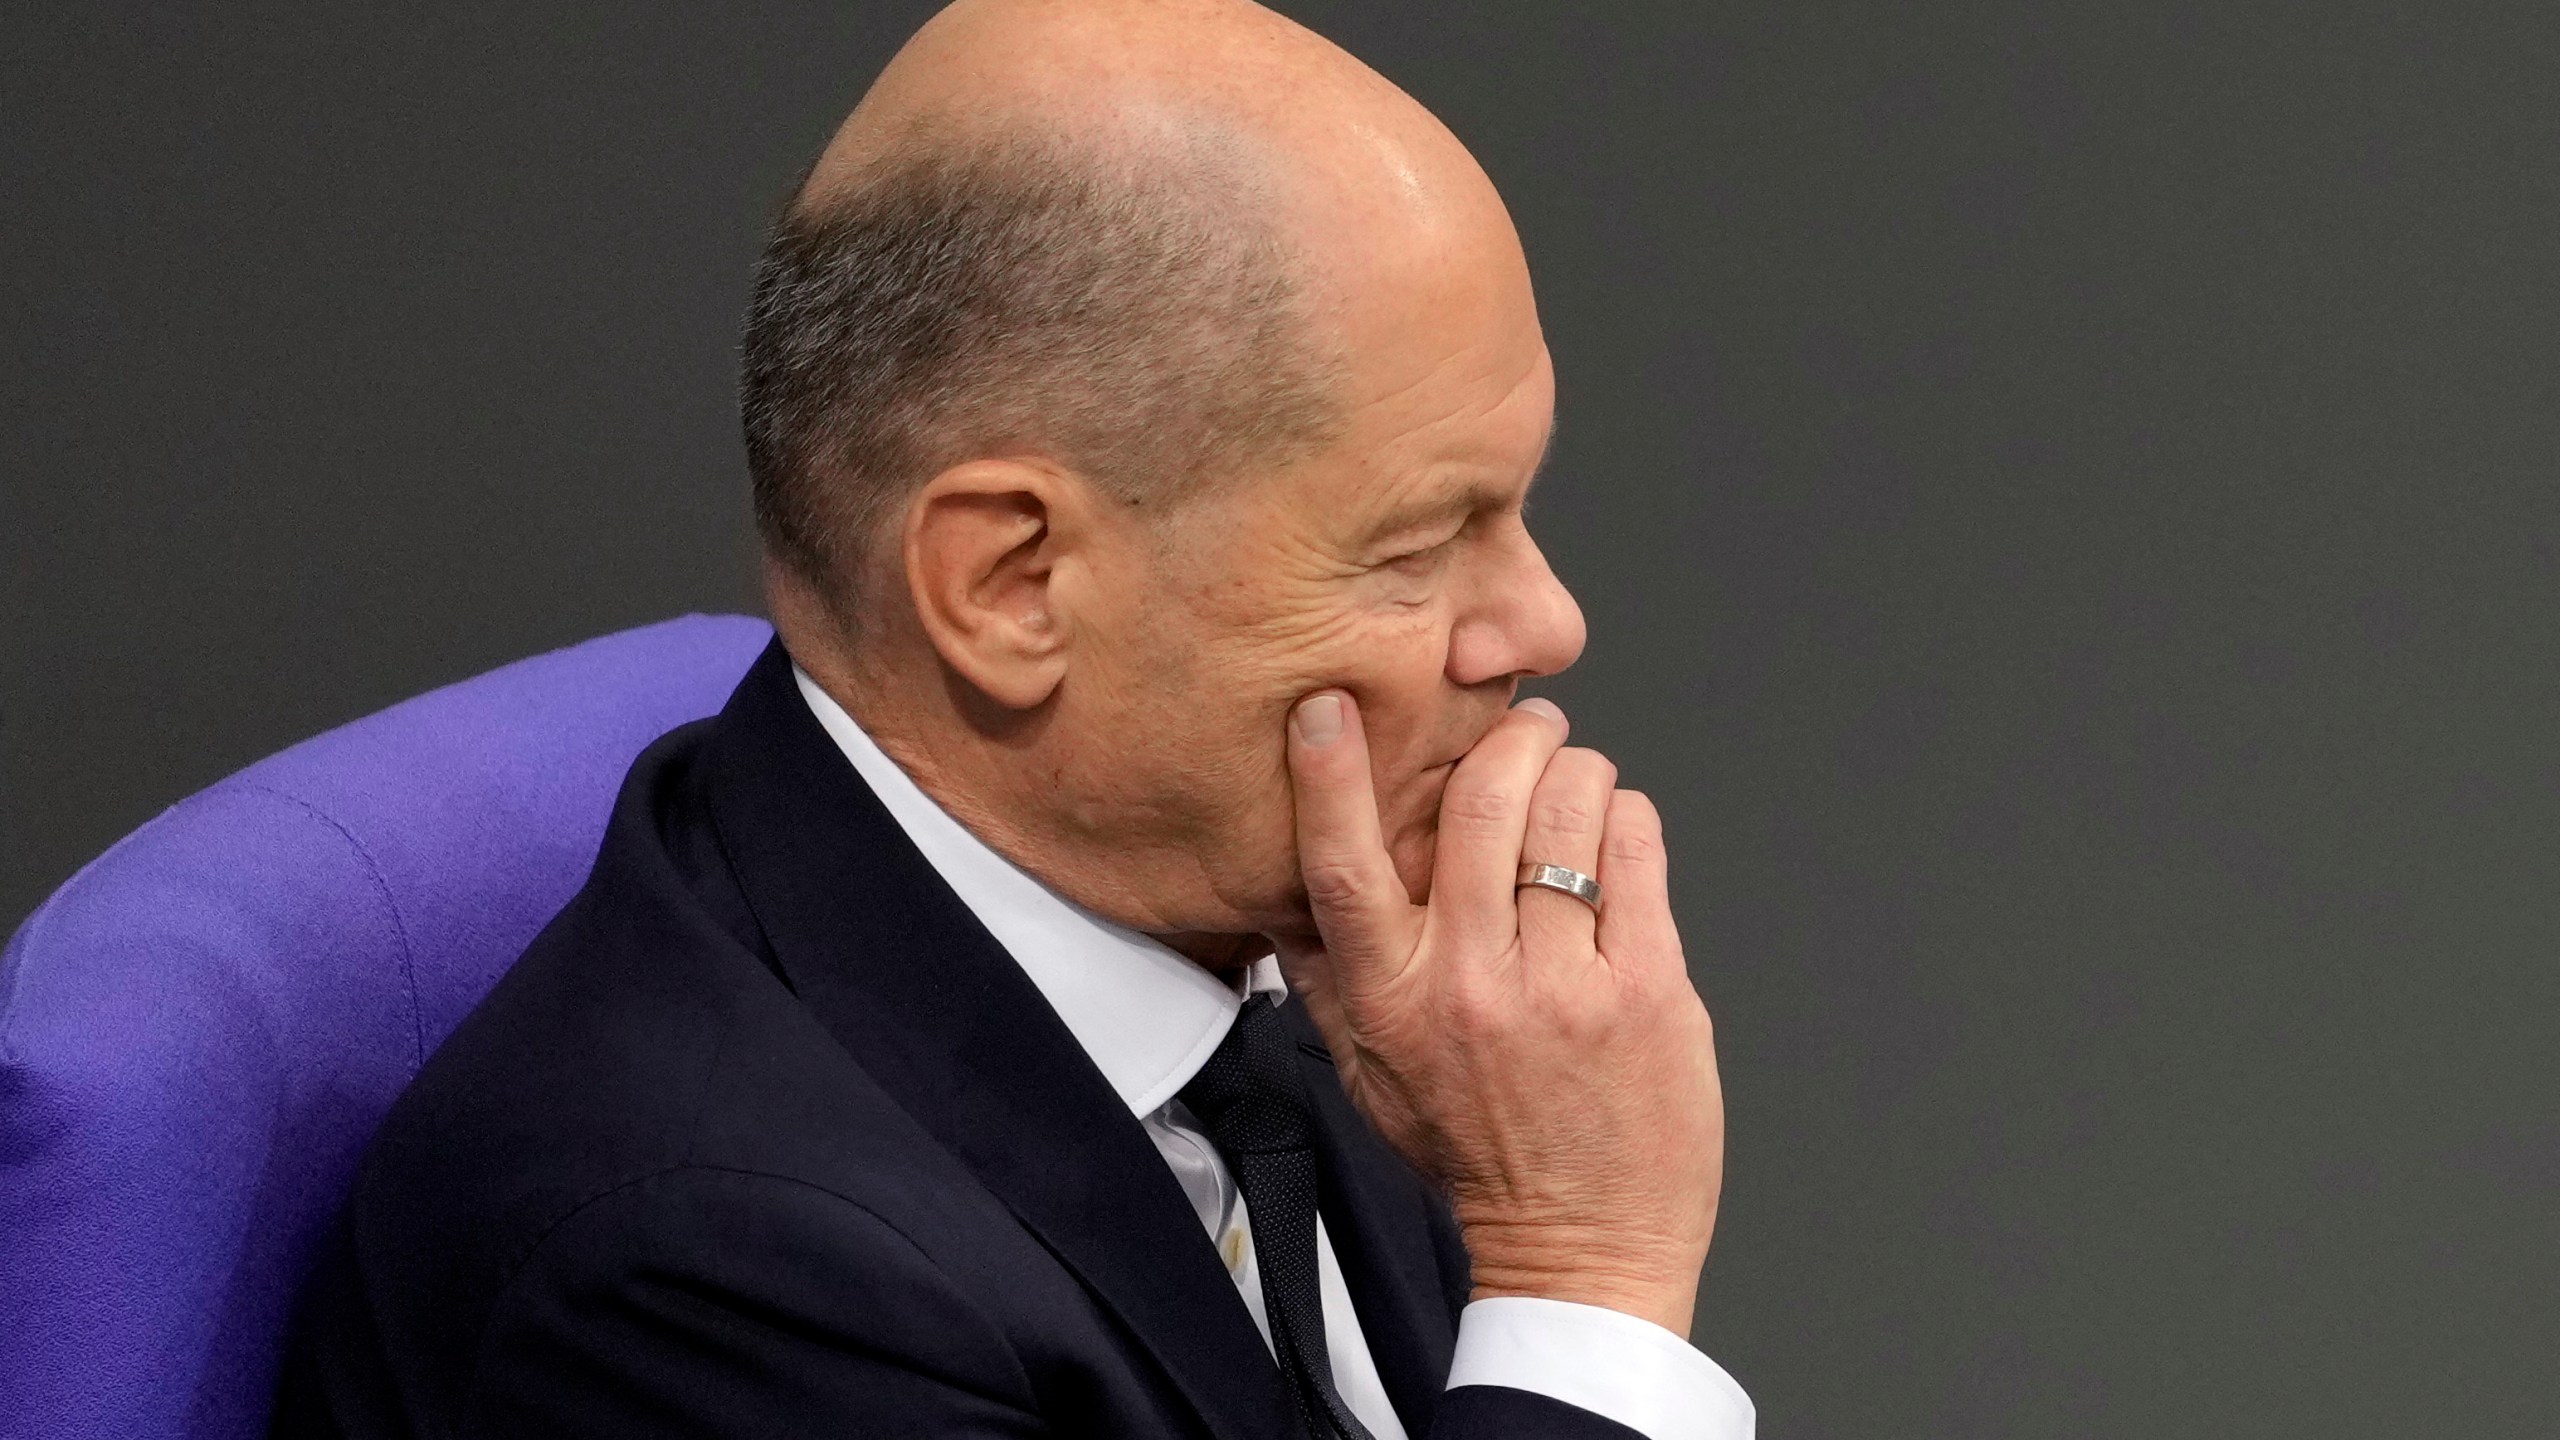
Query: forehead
x=1445 y=377
x=1442 y=374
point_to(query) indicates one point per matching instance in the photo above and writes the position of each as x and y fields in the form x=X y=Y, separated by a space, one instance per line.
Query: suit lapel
x=1375 y=1209
x=898 y=969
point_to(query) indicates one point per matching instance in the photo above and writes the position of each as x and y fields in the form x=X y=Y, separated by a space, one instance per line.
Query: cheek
x=1408 y=702
x=1395 y=667
x=1399 y=676
x=1251 y=649
x=1393 y=662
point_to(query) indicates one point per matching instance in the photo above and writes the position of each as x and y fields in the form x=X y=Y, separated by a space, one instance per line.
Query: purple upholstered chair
x=199 y=1032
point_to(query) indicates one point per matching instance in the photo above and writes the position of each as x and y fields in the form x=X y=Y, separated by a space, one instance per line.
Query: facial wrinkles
x=1273 y=609
x=1450 y=501
x=1415 y=268
x=1478 y=401
x=1309 y=577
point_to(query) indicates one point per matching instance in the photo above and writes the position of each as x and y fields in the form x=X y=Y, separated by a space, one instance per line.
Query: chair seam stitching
x=390 y=905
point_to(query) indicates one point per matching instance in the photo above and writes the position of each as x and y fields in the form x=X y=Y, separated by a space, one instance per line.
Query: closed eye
x=1423 y=558
x=1423 y=561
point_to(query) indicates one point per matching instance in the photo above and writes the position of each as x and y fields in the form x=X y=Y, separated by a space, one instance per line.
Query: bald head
x=1137 y=237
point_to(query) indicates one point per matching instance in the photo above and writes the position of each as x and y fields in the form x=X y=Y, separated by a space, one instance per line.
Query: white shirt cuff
x=1605 y=1361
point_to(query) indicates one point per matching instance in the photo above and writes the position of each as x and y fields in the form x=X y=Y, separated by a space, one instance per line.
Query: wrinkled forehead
x=1469 y=437
x=1476 y=445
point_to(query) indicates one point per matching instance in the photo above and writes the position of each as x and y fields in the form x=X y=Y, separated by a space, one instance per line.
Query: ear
x=982 y=544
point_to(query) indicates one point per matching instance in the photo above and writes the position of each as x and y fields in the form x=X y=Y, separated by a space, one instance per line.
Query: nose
x=1524 y=623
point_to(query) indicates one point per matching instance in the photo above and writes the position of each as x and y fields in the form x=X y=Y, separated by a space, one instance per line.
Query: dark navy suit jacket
x=766 y=1136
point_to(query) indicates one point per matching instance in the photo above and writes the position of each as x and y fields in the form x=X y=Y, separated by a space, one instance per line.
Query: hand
x=1553 y=1070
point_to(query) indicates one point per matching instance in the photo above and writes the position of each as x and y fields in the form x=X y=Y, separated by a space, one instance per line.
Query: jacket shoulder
x=640 y=1052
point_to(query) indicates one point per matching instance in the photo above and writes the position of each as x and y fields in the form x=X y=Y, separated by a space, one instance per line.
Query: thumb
x=1360 y=905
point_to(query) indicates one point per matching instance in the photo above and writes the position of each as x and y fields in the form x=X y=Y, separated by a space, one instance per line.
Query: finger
x=1311 y=982
x=1360 y=906
x=1483 y=814
x=1636 y=929
x=1566 y=815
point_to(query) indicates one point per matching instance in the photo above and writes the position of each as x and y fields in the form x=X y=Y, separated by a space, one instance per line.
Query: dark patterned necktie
x=1253 y=1100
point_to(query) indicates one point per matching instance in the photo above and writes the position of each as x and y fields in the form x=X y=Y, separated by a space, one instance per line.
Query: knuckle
x=1586 y=1014
x=1634 y=844
x=1659 y=986
x=1573 y=797
x=1478 y=811
x=1634 y=827
x=1563 y=815
x=1473 y=1008
x=1333 y=884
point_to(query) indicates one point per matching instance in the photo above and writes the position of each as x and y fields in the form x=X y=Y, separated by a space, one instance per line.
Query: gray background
x=2064 y=497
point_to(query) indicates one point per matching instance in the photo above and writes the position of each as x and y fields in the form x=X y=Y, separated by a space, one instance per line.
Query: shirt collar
x=1148 y=1015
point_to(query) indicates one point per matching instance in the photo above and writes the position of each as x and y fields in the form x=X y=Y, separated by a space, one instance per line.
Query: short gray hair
x=1138 y=322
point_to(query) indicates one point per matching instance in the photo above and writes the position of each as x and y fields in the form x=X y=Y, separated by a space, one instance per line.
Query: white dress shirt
x=1150 y=1017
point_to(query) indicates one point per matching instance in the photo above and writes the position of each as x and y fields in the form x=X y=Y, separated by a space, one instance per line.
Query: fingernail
x=1543 y=706
x=1319 y=719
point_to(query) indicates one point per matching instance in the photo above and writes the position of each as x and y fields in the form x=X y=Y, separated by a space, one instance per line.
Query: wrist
x=1651 y=1278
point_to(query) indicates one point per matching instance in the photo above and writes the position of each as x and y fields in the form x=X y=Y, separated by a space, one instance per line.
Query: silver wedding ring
x=1556 y=877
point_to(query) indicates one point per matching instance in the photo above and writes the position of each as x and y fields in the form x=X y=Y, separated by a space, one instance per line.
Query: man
x=1141 y=399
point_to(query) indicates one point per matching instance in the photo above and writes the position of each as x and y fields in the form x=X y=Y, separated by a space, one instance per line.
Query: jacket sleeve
x=709 y=1302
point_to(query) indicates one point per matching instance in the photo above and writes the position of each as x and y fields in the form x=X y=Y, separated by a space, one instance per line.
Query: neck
x=987 y=772
x=1219 y=954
